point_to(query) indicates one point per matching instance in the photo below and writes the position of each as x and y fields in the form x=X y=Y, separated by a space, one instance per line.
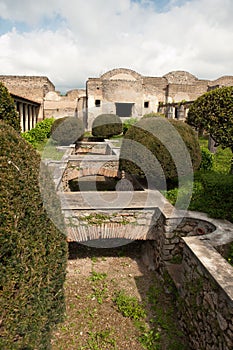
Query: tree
x=7 y=109
x=213 y=112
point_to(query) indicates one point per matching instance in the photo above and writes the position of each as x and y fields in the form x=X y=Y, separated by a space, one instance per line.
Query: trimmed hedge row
x=7 y=109
x=217 y=200
x=33 y=251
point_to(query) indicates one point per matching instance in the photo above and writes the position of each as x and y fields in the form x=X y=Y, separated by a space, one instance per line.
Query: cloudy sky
x=71 y=40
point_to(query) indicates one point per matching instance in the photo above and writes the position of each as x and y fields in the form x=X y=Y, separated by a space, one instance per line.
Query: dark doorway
x=124 y=109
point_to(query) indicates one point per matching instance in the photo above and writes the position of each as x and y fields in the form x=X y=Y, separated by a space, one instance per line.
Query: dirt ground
x=92 y=319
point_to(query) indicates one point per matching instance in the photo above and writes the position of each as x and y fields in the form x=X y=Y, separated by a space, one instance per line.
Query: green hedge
x=33 y=251
x=213 y=194
x=67 y=130
x=142 y=146
x=106 y=125
x=7 y=109
x=40 y=133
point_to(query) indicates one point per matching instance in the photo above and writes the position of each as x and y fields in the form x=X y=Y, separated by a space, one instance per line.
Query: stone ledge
x=213 y=262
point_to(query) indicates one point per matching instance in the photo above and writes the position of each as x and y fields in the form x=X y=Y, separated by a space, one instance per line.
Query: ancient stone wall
x=145 y=93
x=206 y=297
x=58 y=106
x=204 y=279
x=30 y=87
x=177 y=92
x=115 y=86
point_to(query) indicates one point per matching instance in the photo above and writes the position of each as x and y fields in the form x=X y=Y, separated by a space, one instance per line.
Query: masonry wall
x=30 y=87
x=72 y=104
x=178 y=92
x=203 y=278
x=206 y=297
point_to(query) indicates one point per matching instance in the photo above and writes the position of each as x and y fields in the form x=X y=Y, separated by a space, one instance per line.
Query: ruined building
x=120 y=91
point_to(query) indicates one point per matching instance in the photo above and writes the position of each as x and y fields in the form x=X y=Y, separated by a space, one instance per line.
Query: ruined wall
x=30 y=87
x=154 y=91
x=115 y=86
x=58 y=106
x=206 y=297
x=204 y=279
x=178 y=92
x=145 y=93
x=222 y=81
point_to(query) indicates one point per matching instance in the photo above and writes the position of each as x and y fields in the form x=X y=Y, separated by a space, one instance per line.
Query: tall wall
x=145 y=93
x=141 y=94
x=30 y=87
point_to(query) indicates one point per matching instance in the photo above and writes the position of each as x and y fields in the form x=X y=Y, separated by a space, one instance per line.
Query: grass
x=113 y=302
x=212 y=190
x=129 y=306
x=48 y=150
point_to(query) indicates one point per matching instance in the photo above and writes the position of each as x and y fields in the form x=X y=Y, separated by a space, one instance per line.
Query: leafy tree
x=7 y=108
x=213 y=112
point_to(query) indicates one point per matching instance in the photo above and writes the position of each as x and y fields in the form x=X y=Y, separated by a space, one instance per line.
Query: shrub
x=153 y=139
x=213 y=194
x=106 y=125
x=207 y=159
x=32 y=250
x=7 y=109
x=41 y=132
x=128 y=123
x=67 y=130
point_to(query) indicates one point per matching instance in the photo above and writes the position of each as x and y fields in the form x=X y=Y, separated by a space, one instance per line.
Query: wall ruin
x=118 y=86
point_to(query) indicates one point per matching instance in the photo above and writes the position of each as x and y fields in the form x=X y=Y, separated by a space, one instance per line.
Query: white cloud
x=96 y=36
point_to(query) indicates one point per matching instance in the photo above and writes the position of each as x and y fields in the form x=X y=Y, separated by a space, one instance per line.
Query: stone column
x=22 y=124
x=180 y=114
x=30 y=117
x=33 y=116
x=170 y=112
x=26 y=116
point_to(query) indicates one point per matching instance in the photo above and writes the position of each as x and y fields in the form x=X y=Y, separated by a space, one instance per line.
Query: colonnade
x=28 y=112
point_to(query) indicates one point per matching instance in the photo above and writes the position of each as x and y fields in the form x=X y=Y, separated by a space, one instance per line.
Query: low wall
x=206 y=297
x=188 y=249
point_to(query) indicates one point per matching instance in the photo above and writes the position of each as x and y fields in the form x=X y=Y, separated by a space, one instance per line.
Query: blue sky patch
x=53 y=23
